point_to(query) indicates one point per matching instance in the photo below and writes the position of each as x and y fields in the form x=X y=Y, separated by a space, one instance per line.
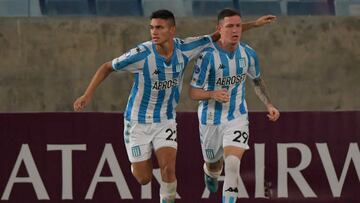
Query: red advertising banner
x=307 y=157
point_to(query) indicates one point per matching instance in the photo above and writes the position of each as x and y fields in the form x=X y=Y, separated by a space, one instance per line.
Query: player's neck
x=229 y=47
x=166 y=49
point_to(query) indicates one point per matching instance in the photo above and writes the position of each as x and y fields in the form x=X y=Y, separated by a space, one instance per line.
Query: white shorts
x=214 y=138
x=140 y=139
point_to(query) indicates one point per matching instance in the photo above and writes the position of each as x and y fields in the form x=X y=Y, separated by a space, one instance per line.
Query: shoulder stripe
x=201 y=41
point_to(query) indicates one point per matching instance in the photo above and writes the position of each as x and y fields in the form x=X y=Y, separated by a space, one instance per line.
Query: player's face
x=230 y=29
x=161 y=30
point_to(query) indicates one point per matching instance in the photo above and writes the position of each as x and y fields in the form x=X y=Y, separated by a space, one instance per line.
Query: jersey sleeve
x=193 y=46
x=254 y=66
x=201 y=70
x=132 y=60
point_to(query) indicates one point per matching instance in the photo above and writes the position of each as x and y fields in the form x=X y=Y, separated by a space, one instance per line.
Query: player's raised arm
x=103 y=71
x=263 y=20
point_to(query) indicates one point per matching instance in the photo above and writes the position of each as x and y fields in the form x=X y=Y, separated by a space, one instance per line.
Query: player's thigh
x=236 y=137
x=165 y=136
x=165 y=146
x=138 y=141
x=211 y=143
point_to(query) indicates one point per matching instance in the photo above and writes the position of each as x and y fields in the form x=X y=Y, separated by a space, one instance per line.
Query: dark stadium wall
x=308 y=63
x=305 y=157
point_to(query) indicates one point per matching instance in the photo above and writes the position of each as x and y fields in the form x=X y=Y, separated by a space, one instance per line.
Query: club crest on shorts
x=210 y=153
x=135 y=151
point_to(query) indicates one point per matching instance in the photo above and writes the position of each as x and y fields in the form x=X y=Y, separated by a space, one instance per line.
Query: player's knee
x=168 y=172
x=216 y=166
x=143 y=179
x=213 y=169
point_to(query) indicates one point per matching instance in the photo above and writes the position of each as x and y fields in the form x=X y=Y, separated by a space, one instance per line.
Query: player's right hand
x=273 y=114
x=220 y=95
x=263 y=20
x=81 y=102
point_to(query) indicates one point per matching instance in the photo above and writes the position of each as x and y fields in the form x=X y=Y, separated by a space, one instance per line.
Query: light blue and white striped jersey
x=157 y=83
x=218 y=69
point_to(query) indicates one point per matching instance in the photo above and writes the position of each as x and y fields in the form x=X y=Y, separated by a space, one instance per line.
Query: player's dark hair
x=164 y=14
x=227 y=12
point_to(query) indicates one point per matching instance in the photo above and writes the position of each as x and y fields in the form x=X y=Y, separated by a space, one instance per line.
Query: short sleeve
x=193 y=46
x=254 y=66
x=132 y=60
x=201 y=70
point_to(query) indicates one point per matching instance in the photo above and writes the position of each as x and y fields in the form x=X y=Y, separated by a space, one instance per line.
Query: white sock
x=230 y=188
x=168 y=192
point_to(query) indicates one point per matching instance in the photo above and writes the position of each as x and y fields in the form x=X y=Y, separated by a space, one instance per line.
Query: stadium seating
x=179 y=7
x=252 y=7
x=67 y=7
x=347 y=7
x=119 y=7
x=12 y=7
x=210 y=7
x=310 y=8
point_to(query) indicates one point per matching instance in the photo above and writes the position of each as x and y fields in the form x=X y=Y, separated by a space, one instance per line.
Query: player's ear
x=218 y=27
x=173 y=29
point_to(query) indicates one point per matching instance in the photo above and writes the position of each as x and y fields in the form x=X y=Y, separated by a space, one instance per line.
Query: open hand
x=265 y=20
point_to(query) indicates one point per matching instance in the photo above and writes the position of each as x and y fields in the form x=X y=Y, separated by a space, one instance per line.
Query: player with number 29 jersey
x=212 y=72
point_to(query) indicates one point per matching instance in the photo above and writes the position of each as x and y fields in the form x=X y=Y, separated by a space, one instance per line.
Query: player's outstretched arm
x=200 y=94
x=263 y=20
x=103 y=71
x=260 y=90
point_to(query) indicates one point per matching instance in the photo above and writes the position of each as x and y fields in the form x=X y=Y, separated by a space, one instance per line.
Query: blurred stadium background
x=180 y=8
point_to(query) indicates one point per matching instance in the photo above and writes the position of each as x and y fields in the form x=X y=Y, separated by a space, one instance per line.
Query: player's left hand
x=265 y=20
x=273 y=114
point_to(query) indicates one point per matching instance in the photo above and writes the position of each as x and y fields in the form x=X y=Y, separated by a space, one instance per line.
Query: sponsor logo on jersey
x=162 y=85
x=230 y=80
